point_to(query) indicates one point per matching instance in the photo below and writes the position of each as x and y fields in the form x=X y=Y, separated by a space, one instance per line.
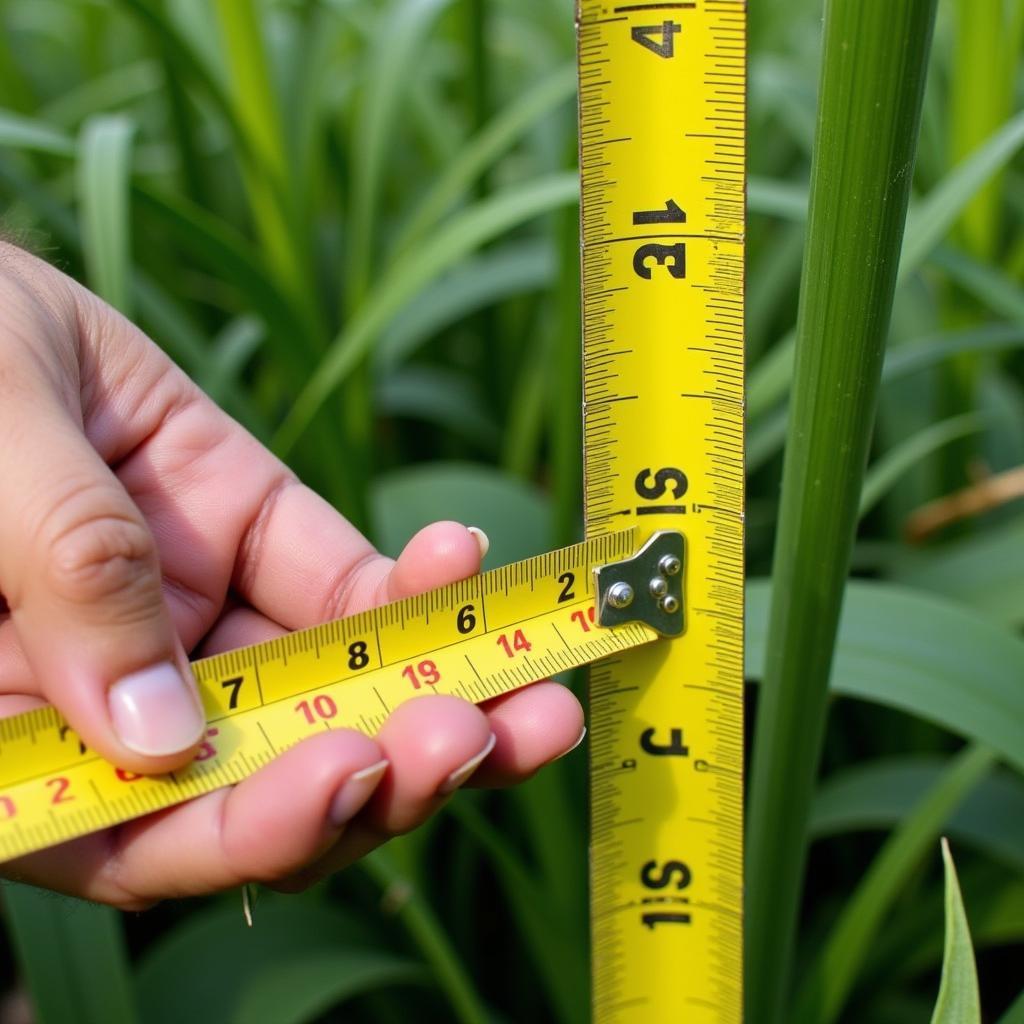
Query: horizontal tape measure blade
x=478 y=638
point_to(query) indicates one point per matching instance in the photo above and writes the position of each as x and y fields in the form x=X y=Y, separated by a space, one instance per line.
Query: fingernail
x=354 y=792
x=579 y=739
x=482 y=540
x=461 y=775
x=155 y=711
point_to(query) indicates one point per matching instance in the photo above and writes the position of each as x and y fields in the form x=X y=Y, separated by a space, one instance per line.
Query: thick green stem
x=871 y=89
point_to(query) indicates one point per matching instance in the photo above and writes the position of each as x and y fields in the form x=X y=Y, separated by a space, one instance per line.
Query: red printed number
x=7 y=807
x=321 y=706
x=519 y=643
x=206 y=748
x=585 y=619
x=127 y=776
x=60 y=790
x=424 y=672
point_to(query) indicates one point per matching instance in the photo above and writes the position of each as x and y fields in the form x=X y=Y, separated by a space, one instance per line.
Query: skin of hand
x=137 y=522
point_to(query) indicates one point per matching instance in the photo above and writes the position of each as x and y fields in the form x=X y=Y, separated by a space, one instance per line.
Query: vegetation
x=354 y=223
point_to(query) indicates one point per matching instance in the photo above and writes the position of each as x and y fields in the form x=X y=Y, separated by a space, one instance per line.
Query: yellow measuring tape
x=662 y=136
x=476 y=639
x=662 y=156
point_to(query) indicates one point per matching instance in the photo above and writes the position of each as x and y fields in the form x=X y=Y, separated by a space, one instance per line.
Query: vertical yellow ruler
x=662 y=154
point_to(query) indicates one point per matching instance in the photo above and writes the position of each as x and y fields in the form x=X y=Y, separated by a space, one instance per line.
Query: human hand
x=137 y=521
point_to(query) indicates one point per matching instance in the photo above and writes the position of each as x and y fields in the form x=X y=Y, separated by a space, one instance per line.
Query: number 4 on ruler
x=644 y=35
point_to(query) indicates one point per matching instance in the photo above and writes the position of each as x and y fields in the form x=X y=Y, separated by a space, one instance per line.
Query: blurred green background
x=354 y=222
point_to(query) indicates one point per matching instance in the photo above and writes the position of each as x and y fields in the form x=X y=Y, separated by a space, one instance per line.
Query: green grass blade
x=480 y=152
x=464 y=233
x=426 y=931
x=888 y=470
x=978 y=103
x=104 y=181
x=301 y=991
x=557 y=965
x=72 y=956
x=1015 y=1014
x=773 y=198
x=120 y=86
x=922 y=353
x=880 y=794
x=927 y=656
x=988 y=284
x=827 y=985
x=266 y=167
x=984 y=570
x=395 y=43
x=872 y=83
x=930 y=221
x=934 y=216
x=512 y=269
x=33 y=136
x=958 y=1001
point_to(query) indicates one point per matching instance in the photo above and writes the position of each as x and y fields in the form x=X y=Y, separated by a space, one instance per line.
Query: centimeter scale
x=662 y=90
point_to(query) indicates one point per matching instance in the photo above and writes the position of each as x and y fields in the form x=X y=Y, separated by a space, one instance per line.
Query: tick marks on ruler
x=655 y=7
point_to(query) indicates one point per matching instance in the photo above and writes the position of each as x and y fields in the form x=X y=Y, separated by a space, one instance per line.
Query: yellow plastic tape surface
x=662 y=154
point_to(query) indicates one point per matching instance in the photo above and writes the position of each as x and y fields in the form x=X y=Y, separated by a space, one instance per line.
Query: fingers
x=438 y=744
x=532 y=727
x=265 y=828
x=80 y=574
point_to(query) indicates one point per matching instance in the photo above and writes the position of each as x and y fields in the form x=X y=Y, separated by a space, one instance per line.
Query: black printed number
x=567 y=579
x=466 y=620
x=357 y=656
x=663 y=47
x=234 y=685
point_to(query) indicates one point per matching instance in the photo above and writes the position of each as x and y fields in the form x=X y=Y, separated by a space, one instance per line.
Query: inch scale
x=662 y=93
x=662 y=136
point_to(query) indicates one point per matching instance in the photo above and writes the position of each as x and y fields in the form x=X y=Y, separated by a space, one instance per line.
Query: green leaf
x=301 y=990
x=986 y=283
x=890 y=468
x=448 y=398
x=958 y=1001
x=72 y=956
x=394 y=44
x=769 y=379
x=465 y=232
x=499 y=134
x=104 y=179
x=934 y=216
x=922 y=353
x=512 y=269
x=20 y=132
x=984 y=570
x=211 y=960
x=880 y=794
x=921 y=654
x=773 y=198
x=825 y=987
x=515 y=517
x=1015 y=1014
x=873 y=72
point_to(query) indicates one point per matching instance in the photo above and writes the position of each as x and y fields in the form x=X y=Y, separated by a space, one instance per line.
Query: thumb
x=80 y=573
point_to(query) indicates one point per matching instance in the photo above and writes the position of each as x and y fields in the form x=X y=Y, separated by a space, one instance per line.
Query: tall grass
x=354 y=223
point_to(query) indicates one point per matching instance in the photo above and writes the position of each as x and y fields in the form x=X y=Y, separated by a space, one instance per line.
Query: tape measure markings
x=477 y=638
x=661 y=103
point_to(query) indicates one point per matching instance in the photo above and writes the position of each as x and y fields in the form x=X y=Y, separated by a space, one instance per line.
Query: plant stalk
x=871 y=89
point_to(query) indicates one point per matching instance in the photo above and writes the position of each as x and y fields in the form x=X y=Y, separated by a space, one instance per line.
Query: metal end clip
x=646 y=588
